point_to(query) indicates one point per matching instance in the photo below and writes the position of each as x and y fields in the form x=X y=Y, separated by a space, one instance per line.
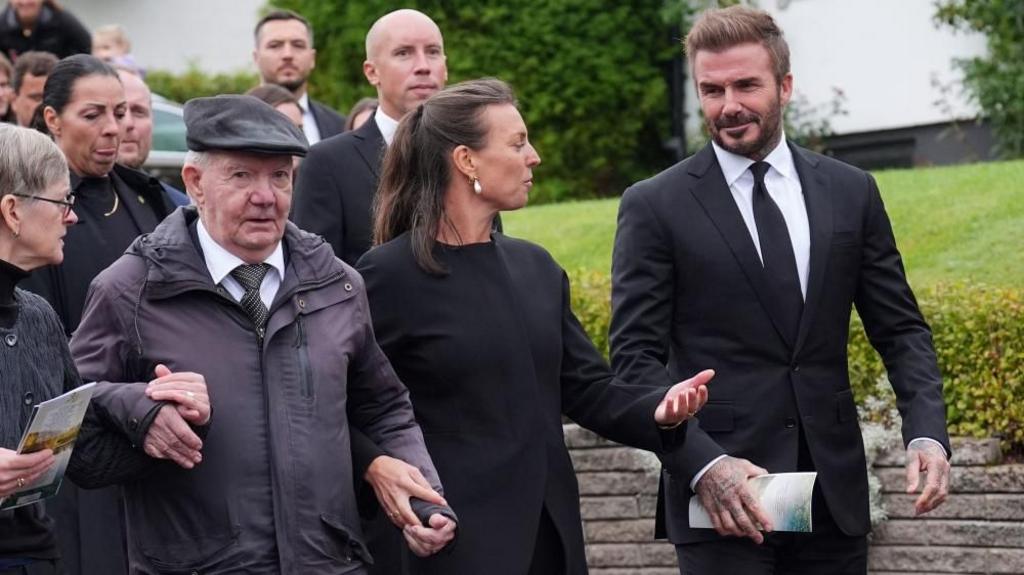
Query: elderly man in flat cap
x=247 y=352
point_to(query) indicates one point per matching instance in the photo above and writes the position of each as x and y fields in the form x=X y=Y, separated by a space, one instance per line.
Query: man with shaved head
x=405 y=61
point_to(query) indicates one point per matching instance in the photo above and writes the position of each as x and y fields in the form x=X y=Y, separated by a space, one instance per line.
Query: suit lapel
x=819 y=215
x=370 y=145
x=714 y=195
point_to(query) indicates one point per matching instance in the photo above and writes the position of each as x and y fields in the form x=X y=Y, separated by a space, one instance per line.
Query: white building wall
x=168 y=34
x=883 y=55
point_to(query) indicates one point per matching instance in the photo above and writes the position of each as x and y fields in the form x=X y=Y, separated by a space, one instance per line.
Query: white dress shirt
x=309 y=126
x=221 y=263
x=386 y=124
x=783 y=185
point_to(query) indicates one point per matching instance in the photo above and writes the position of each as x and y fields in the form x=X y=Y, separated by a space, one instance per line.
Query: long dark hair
x=418 y=167
x=60 y=84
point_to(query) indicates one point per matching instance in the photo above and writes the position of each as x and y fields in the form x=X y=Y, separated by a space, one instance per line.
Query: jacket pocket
x=305 y=370
x=348 y=544
x=846 y=409
x=717 y=416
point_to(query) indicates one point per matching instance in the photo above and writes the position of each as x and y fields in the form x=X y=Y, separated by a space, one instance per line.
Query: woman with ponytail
x=479 y=327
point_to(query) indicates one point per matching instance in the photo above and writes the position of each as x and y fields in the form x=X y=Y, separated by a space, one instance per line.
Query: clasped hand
x=170 y=436
x=395 y=482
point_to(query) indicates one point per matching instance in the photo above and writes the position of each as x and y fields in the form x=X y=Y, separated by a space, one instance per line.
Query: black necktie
x=777 y=252
x=251 y=278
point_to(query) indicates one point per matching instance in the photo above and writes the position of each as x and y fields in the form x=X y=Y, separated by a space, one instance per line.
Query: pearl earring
x=477 y=188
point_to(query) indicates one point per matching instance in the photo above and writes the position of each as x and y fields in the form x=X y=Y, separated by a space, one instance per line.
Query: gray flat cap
x=242 y=124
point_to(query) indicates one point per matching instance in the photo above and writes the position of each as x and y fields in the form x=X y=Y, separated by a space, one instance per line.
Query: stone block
x=613 y=459
x=915 y=559
x=610 y=507
x=577 y=437
x=618 y=483
x=614 y=555
x=659 y=553
x=648 y=505
x=950 y=532
x=974 y=479
x=624 y=531
x=636 y=571
x=994 y=507
x=966 y=451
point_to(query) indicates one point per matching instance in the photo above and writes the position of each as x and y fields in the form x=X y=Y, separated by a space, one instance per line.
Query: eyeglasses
x=67 y=202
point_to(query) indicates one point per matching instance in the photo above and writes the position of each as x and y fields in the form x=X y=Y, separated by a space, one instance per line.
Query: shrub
x=590 y=75
x=979 y=339
x=194 y=83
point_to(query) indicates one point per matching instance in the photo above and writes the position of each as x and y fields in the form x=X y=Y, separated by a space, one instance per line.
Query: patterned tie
x=777 y=251
x=251 y=277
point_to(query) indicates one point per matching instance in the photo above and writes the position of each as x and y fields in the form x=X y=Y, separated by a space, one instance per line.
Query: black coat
x=689 y=293
x=335 y=188
x=493 y=356
x=56 y=31
x=329 y=122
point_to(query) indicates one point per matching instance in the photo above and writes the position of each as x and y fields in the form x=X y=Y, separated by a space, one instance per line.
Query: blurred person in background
x=41 y=25
x=6 y=91
x=360 y=113
x=137 y=130
x=30 y=72
x=283 y=101
x=284 y=55
x=110 y=43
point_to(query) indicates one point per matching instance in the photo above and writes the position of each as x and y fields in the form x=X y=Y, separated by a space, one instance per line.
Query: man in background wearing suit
x=334 y=192
x=747 y=258
x=285 y=56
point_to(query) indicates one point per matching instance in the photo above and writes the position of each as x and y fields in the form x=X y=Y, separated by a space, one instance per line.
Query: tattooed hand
x=724 y=494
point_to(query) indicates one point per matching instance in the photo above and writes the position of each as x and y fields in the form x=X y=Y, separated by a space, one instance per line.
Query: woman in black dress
x=478 y=326
x=41 y=25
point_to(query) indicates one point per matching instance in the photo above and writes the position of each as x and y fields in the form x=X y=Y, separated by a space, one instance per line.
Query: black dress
x=493 y=356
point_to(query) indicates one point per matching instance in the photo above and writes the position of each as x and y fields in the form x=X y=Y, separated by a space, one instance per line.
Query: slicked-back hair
x=717 y=30
x=418 y=166
x=282 y=15
x=29 y=161
x=60 y=84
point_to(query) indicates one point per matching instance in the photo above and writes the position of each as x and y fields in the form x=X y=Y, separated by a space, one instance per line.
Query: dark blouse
x=100 y=237
x=493 y=356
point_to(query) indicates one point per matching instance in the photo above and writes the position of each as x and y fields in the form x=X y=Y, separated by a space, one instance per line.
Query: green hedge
x=194 y=83
x=979 y=339
x=590 y=74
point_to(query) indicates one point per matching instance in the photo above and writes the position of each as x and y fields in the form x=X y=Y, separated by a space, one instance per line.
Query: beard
x=769 y=125
x=291 y=85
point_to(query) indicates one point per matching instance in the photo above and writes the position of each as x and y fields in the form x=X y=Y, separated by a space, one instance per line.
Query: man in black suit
x=284 y=55
x=334 y=192
x=747 y=258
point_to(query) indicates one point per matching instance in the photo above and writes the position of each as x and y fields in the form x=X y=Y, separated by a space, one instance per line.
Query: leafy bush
x=979 y=339
x=996 y=80
x=590 y=75
x=194 y=83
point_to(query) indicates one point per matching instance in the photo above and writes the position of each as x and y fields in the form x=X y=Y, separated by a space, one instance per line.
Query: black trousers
x=41 y=567
x=825 y=551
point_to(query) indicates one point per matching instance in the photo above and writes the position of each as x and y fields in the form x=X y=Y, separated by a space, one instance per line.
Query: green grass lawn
x=952 y=223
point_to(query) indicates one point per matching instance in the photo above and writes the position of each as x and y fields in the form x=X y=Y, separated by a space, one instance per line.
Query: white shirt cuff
x=942 y=447
x=703 y=470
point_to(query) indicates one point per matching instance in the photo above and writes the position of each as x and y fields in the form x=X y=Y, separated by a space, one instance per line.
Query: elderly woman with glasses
x=35 y=364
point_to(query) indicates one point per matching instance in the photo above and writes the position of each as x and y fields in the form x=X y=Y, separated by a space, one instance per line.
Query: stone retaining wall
x=979 y=530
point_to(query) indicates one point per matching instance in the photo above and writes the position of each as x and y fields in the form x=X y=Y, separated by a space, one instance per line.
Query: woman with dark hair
x=360 y=113
x=83 y=106
x=41 y=25
x=488 y=344
x=35 y=364
x=281 y=99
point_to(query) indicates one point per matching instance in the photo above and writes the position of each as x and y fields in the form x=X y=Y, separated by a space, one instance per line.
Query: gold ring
x=393 y=514
x=21 y=482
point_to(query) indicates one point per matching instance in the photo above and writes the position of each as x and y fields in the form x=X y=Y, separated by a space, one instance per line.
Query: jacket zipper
x=305 y=373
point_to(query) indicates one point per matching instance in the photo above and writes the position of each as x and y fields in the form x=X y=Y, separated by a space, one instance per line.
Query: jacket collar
x=370 y=145
x=175 y=265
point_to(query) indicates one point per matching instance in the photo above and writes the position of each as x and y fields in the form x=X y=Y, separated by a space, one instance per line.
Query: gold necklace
x=116 y=202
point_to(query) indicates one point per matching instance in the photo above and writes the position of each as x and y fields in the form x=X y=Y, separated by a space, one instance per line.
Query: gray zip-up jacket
x=274 y=493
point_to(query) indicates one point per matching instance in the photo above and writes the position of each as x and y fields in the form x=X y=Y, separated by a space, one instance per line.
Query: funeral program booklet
x=784 y=497
x=54 y=424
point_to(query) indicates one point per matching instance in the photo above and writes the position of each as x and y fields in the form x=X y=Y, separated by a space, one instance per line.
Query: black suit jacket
x=335 y=188
x=329 y=122
x=689 y=293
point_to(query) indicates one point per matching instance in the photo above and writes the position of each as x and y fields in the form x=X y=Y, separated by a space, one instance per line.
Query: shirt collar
x=303 y=101
x=221 y=262
x=734 y=165
x=386 y=124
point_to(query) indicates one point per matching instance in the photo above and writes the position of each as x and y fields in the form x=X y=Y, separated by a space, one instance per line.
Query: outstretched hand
x=683 y=400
